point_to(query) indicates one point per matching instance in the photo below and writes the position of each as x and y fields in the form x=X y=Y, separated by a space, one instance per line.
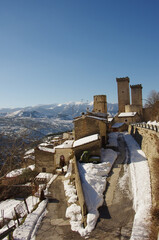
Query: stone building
x=63 y=153
x=100 y=104
x=123 y=93
x=44 y=159
x=129 y=113
x=94 y=122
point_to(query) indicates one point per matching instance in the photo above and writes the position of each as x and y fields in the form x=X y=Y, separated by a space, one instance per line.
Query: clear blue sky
x=57 y=51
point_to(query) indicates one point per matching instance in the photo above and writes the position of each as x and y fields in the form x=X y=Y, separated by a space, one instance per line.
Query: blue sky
x=57 y=51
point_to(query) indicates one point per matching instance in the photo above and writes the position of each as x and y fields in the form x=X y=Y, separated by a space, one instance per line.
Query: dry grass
x=154 y=169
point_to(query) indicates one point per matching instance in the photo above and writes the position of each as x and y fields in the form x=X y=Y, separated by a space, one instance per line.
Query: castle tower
x=100 y=104
x=123 y=93
x=136 y=94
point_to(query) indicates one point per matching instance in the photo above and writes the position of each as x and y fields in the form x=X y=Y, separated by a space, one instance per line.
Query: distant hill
x=41 y=120
x=63 y=111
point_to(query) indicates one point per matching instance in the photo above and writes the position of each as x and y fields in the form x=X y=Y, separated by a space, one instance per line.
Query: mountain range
x=41 y=120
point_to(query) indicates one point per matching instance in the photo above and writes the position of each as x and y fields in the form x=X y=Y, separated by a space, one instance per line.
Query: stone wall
x=147 y=139
x=80 y=194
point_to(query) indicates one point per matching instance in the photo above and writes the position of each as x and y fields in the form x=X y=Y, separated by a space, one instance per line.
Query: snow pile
x=113 y=139
x=93 y=179
x=140 y=179
x=70 y=191
x=27 y=229
x=69 y=170
x=9 y=205
x=153 y=123
x=19 y=171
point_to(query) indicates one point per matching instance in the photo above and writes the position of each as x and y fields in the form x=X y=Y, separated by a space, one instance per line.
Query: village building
x=94 y=122
x=129 y=113
x=44 y=159
x=63 y=153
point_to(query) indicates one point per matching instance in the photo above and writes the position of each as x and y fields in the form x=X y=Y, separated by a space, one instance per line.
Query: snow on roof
x=110 y=119
x=44 y=144
x=19 y=171
x=117 y=125
x=86 y=140
x=91 y=116
x=127 y=114
x=29 y=151
x=45 y=175
x=66 y=144
x=45 y=149
x=98 y=118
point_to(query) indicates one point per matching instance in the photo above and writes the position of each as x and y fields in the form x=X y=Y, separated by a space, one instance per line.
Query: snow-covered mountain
x=65 y=111
x=41 y=120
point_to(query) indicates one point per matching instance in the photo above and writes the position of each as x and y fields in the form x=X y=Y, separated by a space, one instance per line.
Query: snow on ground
x=141 y=190
x=113 y=139
x=9 y=205
x=19 y=171
x=26 y=230
x=153 y=123
x=93 y=178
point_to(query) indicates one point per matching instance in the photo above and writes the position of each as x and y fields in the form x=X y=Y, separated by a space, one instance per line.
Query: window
x=43 y=169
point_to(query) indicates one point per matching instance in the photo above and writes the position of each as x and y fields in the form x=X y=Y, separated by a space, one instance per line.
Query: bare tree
x=152 y=98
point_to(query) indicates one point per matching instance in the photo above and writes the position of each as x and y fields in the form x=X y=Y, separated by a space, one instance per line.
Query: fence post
x=16 y=214
x=26 y=205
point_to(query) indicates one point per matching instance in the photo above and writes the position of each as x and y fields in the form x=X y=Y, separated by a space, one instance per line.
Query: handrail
x=147 y=126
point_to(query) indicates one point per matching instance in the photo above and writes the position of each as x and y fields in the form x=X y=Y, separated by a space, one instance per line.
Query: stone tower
x=123 y=93
x=136 y=94
x=100 y=104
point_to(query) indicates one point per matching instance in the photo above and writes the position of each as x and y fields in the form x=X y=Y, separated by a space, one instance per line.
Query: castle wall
x=100 y=104
x=147 y=140
x=123 y=93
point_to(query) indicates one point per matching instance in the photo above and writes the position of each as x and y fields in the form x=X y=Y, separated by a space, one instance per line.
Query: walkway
x=116 y=214
x=54 y=225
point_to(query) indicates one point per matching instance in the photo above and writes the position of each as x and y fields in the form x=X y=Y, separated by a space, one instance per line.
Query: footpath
x=55 y=226
x=116 y=214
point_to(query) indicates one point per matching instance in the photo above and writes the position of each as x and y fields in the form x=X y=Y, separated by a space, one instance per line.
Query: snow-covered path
x=116 y=214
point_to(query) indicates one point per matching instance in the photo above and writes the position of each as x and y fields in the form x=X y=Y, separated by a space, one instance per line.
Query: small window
x=43 y=169
x=126 y=120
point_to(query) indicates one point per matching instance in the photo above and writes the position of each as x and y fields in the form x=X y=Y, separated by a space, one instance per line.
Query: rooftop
x=86 y=140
